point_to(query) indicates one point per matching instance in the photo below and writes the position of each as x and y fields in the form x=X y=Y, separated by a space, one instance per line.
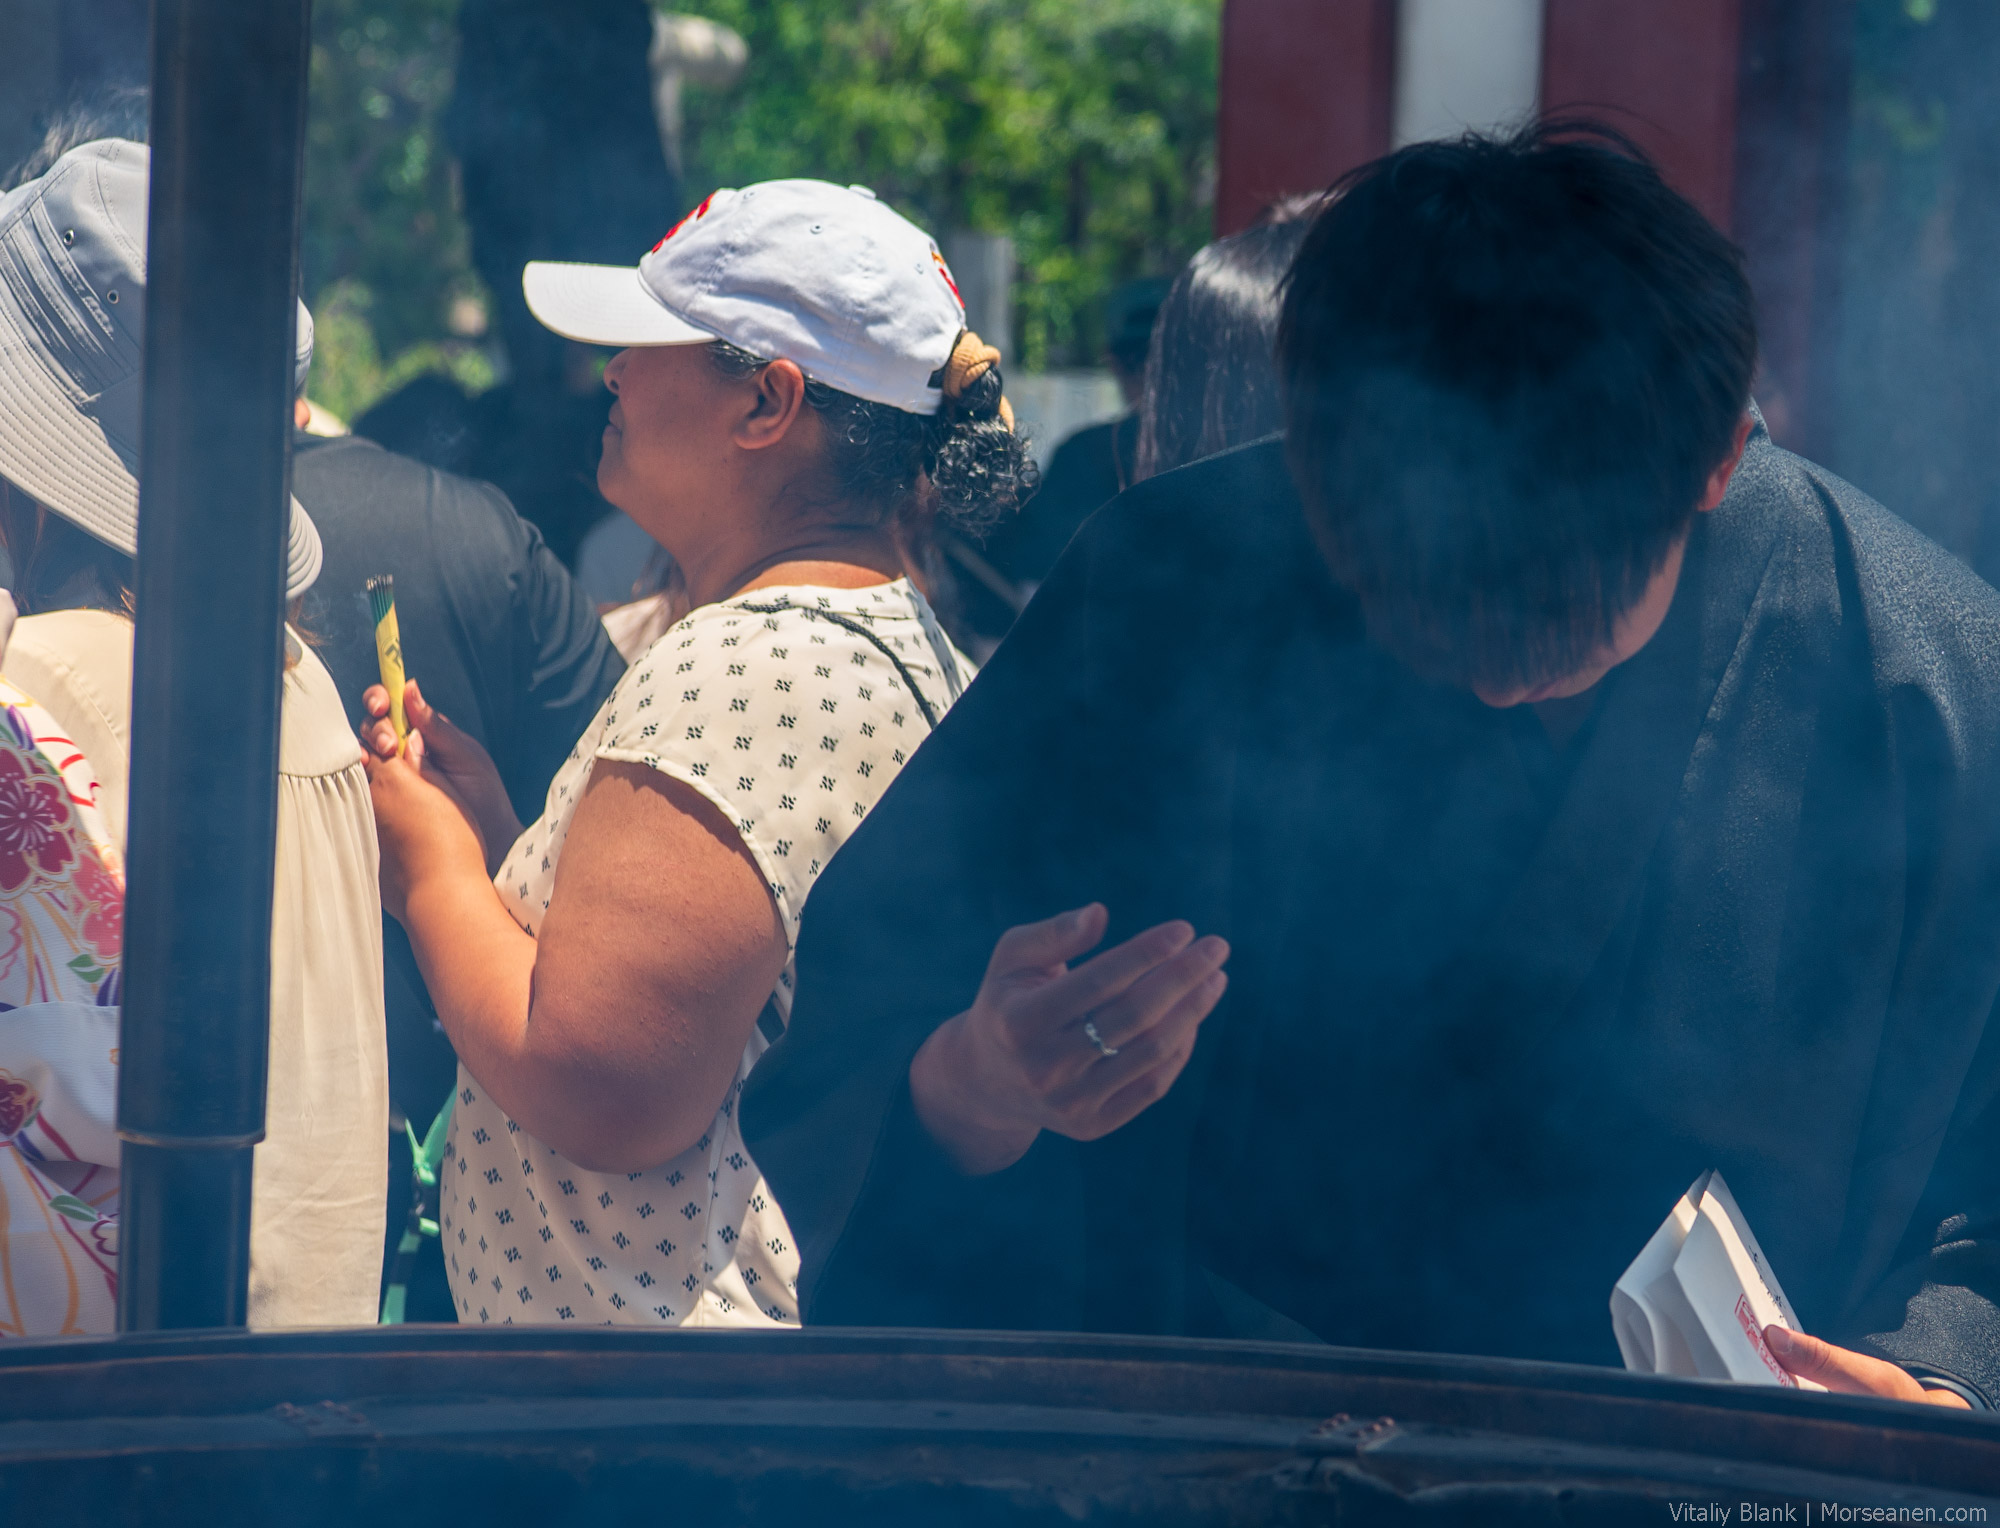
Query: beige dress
x=320 y=1188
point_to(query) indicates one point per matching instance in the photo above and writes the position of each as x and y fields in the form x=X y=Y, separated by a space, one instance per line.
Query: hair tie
x=971 y=359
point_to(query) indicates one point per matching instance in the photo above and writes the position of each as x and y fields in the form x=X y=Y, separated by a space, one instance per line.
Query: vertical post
x=1305 y=97
x=228 y=134
x=1665 y=72
x=1794 y=81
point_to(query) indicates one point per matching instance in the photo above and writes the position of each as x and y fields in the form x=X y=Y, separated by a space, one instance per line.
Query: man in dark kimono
x=1567 y=840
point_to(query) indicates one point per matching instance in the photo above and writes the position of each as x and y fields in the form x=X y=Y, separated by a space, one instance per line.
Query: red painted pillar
x=1742 y=104
x=1791 y=179
x=1664 y=72
x=1305 y=97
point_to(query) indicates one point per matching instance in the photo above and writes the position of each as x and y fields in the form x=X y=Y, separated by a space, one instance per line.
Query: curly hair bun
x=971 y=381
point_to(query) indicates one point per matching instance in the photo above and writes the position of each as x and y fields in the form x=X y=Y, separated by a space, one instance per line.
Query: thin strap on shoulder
x=860 y=630
x=941 y=650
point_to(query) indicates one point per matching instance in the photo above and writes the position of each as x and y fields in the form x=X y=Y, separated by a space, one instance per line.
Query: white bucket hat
x=822 y=275
x=72 y=327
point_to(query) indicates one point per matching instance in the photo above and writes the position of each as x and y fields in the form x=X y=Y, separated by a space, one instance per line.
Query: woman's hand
x=424 y=832
x=452 y=760
x=1849 y=1373
x=1021 y=1059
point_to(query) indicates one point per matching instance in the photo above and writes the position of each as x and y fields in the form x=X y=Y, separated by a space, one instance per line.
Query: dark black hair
x=115 y=111
x=960 y=468
x=1211 y=378
x=1509 y=366
x=56 y=565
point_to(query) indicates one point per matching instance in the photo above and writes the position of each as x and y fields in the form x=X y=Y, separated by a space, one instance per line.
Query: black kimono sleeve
x=1938 y=1312
x=1041 y=790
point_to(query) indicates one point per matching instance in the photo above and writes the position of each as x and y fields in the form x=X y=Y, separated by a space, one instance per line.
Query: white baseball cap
x=72 y=331
x=822 y=275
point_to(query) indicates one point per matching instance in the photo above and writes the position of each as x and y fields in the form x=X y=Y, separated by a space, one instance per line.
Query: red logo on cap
x=945 y=271
x=695 y=217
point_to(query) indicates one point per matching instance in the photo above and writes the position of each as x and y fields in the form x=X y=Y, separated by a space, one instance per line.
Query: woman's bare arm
x=614 y=1036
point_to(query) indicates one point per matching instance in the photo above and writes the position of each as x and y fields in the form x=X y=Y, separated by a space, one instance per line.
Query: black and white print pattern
x=793 y=725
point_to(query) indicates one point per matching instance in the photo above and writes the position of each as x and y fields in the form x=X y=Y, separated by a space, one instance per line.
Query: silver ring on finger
x=1090 y=1033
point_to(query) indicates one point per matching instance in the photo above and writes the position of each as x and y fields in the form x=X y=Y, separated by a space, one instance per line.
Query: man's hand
x=1021 y=1060
x=450 y=759
x=1849 y=1373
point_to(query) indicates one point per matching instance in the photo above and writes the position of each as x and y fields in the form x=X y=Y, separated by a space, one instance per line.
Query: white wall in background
x=983 y=265
x=1053 y=405
x=1465 y=64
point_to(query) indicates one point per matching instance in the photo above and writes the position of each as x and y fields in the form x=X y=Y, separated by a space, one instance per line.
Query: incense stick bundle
x=389 y=650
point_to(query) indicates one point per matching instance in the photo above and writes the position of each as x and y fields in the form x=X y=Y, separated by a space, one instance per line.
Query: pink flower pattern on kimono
x=62 y=912
x=104 y=924
x=19 y=1104
x=34 y=822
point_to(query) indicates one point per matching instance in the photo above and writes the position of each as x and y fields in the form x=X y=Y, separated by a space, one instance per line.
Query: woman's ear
x=778 y=398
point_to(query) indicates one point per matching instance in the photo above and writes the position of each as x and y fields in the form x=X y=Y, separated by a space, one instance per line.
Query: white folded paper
x=1697 y=1298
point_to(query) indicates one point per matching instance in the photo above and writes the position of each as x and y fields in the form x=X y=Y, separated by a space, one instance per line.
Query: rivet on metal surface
x=1343 y=1434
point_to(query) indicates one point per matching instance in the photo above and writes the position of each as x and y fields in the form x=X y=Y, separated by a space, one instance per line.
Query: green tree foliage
x=1083 y=128
x=384 y=249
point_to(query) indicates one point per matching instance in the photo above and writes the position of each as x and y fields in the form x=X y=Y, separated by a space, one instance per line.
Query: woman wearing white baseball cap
x=72 y=306
x=796 y=402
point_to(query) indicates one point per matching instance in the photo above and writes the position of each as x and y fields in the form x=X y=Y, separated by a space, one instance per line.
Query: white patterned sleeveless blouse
x=791 y=709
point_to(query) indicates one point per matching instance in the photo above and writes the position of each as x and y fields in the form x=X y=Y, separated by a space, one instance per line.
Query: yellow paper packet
x=389 y=650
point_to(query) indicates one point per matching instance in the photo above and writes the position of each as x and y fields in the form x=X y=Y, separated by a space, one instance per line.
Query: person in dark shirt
x=551 y=118
x=1520 y=790
x=1211 y=374
x=1090 y=468
x=504 y=642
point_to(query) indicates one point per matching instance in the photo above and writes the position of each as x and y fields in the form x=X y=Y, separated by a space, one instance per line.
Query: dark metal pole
x=228 y=131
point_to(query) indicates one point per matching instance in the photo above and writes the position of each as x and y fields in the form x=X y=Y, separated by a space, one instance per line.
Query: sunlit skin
x=1846 y=1372
x=614 y=1035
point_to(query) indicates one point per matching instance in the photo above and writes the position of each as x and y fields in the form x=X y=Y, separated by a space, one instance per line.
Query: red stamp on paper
x=1747 y=1319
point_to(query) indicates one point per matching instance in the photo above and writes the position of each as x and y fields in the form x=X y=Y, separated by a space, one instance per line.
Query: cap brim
x=602 y=305
x=61 y=458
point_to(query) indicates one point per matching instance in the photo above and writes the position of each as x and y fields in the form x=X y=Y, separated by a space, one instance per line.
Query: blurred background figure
x=688 y=50
x=552 y=121
x=1211 y=375
x=1089 y=467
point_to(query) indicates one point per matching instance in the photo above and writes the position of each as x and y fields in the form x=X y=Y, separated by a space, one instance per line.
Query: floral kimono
x=62 y=906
